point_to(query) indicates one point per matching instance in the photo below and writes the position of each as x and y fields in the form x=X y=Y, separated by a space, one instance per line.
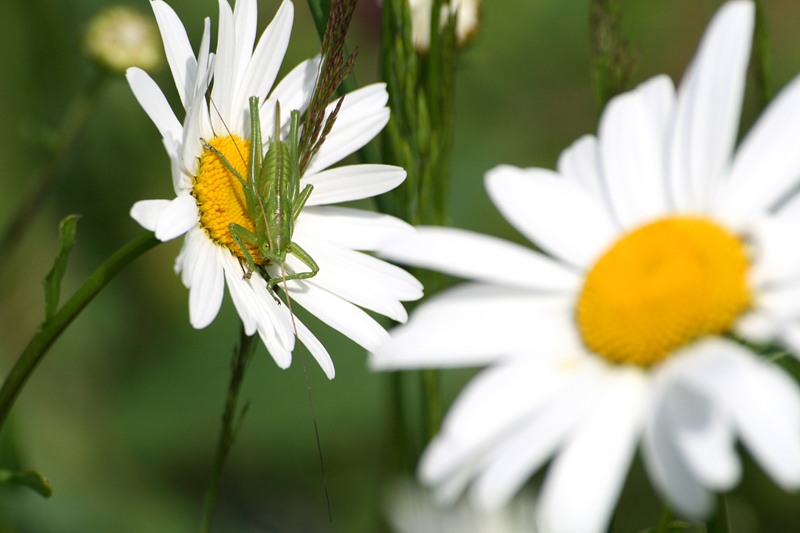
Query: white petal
x=154 y=103
x=293 y=92
x=703 y=436
x=777 y=257
x=757 y=326
x=362 y=116
x=584 y=481
x=187 y=258
x=316 y=349
x=554 y=213
x=480 y=257
x=767 y=164
x=474 y=324
x=632 y=142
x=148 y=212
x=487 y=411
x=580 y=162
x=224 y=69
x=781 y=302
x=339 y=314
x=394 y=280
x=207 y=286
x=177 y=218
x=353 y=182
x=178 y=50
x=193 y=129
x=352 y=228
x=363 y=280
x=266 y=61
x=668 y=470
x=761 y=399
x=709 y=104
x=245 y=20
x=512 y=462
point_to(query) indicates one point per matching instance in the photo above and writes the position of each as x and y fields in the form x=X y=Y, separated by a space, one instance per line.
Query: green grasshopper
x=273 y=199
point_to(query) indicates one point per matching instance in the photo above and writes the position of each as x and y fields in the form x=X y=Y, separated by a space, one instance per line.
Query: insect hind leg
x=306 y=259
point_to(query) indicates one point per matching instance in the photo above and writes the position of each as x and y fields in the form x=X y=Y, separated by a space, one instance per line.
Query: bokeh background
x=123 y=413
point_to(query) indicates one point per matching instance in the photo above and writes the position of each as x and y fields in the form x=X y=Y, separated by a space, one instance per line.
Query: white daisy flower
x=662 y=244
x=208 y=197
x=409 y=509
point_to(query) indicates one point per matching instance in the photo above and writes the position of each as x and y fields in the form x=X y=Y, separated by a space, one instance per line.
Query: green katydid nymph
x=273 y=198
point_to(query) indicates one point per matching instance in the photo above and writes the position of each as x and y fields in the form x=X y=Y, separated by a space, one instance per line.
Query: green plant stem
x=762 y=51
x=230 y=424
x=719 y=522
x=664 y=520
x=612 y=60
x=72 y=125
x=51 y=329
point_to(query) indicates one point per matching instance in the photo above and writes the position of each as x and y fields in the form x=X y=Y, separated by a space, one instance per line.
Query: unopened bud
x=119 y=37
x=468 y=13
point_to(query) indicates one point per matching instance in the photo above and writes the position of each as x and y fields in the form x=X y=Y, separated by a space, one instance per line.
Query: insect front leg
x=243 y=236
x=306 y=259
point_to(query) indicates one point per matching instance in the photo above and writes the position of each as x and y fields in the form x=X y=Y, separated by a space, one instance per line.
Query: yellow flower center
x=219 y=194
x=662 y=286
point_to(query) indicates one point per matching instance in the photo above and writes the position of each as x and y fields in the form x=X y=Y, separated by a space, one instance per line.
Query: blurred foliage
x=123 y=413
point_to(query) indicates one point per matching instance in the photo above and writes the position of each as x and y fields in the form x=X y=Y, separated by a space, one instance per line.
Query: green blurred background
x=123 y=413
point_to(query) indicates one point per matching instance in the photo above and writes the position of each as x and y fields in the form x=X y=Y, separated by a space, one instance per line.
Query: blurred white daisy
x=663 y=245
x=208 y=197
x=410 y=509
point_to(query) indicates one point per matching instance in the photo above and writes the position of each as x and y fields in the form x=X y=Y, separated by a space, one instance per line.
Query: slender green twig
x=763 y=56
x=51 y=329
x=230 y=423
x=73 y=123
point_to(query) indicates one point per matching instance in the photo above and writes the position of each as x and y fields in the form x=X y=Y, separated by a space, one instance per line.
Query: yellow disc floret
x=219 y=194
x=662 y=286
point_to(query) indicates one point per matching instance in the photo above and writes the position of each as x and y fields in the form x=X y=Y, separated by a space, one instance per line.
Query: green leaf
x=29 y=478
x=52 y=282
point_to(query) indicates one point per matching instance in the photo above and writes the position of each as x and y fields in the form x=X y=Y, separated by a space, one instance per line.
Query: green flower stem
x=720 y=523
x=762 y=51
x=432 y=408
x=72 y=125
x=664 y=521
x=230 y=423
x=51 y=329
x=612 y=60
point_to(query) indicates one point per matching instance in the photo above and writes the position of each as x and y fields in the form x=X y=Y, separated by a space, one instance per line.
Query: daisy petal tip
x=148 y=212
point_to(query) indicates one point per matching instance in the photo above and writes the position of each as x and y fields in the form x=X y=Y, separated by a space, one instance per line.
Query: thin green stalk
x=230 y=423
x=432 y=407
x=72 y=125
x=719 y=523
x=762 y=52
x=51 y=329
x=664 y=521
x=613 y=61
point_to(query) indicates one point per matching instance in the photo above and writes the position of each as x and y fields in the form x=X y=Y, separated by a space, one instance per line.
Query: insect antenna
x=310 y=397
x=227 y=130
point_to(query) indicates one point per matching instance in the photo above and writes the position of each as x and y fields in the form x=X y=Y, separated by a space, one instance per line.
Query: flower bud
x=119 y=37
x=467 y=11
